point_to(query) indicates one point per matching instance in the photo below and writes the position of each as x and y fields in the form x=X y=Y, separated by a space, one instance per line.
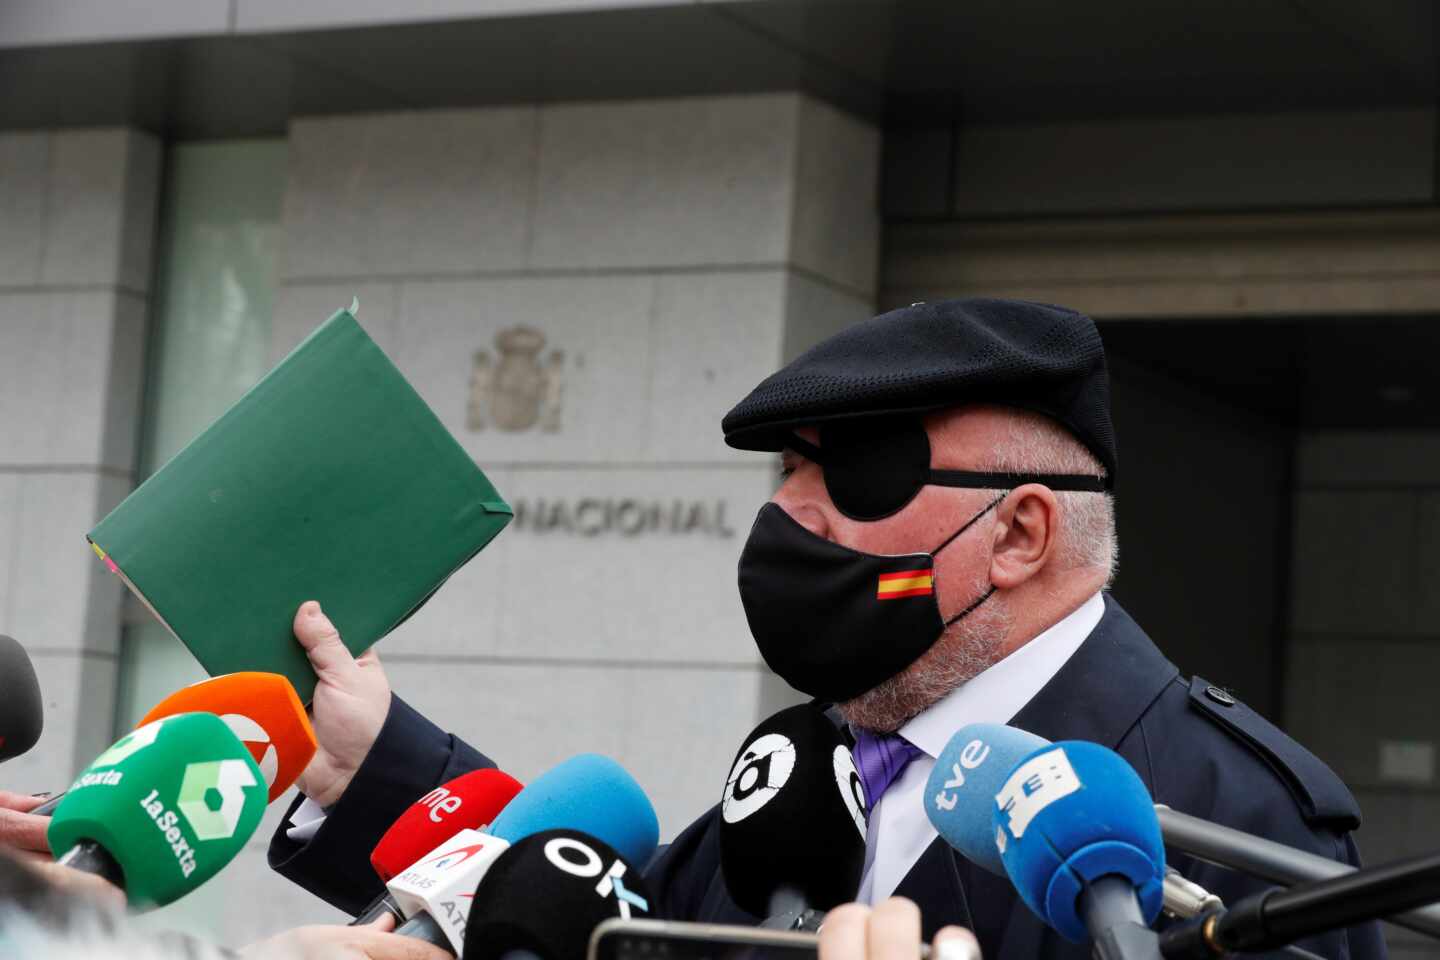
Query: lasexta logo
x=212 y=797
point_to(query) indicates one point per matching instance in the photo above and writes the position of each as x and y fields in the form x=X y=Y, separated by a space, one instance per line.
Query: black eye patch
x=874 y=466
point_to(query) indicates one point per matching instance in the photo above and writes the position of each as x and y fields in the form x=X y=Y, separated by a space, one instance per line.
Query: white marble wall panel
x=424 y=192
x=61 y=596
x=24 y=162
x=78 y=691
x=70 y=378
x=651 y=596
x=1355 y=562
x=675 y=729
x=815 y=310
x=600 y=324
x=682 y=182
x=88 y=192
x=836 y=229
x=301 y=307
x=715 y=336
x=9 y=524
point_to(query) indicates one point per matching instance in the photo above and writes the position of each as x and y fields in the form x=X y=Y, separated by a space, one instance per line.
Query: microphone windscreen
x=792 y=815
x=262 y=710
x=172 y=802
x=22 y=714
x=547 y=893
x=1068 y=814
x=960 y=794
x=471 y=801
x=589 y=793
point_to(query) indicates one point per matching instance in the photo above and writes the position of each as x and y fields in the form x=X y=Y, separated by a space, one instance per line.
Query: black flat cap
x=929 y=356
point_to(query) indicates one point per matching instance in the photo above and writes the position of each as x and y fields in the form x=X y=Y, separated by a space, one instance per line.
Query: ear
x=1026 y=527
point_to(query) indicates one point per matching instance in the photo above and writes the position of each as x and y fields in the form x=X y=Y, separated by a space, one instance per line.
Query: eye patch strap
x=805 y=448
x=1062 y=482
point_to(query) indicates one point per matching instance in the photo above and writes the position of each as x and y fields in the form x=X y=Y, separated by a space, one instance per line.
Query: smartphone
x=675 y=940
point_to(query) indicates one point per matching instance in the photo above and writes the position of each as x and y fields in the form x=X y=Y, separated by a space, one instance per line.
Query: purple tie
x=879 y=760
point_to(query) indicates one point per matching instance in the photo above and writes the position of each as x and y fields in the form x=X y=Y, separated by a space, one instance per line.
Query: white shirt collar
x=997 y=694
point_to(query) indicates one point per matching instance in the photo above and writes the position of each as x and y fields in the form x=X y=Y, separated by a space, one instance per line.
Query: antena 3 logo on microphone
x=762 y=769
x=580 y=860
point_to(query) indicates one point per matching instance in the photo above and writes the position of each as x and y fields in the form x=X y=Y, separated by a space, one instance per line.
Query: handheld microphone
x=961 y=793
x=261 y=709
x=961 y=790
x=22 y=713
x=468 y=802
x=545 y=895
x=1079 y=839
x=792 y=820
x=162 y=810
x=1275 y=918
x=588 y=793
x=1268 y=860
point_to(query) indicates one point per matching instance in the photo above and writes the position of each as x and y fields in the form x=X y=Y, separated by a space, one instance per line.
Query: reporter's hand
x=891 y=931
x=351 y=701
x=370 y=942
x=19 y=830
x=80 y=883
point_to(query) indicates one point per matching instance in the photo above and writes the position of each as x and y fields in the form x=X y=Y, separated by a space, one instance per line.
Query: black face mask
x=834 y=622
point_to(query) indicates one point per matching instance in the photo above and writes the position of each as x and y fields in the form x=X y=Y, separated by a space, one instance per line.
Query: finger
x=894 y=931
x=842 y=935
x=321 y=641
x=955 y=943
x=369 y=658
x=24 y=831
x=19 y=802
x=383 y=923
x=391 y=946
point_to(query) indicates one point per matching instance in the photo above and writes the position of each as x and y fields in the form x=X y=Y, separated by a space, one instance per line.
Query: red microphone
x=469 y=802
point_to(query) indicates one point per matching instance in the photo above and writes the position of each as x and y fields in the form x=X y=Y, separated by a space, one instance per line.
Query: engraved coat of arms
x=520 y=391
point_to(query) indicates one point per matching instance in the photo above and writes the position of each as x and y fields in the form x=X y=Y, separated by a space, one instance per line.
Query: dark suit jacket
x=1197 y=750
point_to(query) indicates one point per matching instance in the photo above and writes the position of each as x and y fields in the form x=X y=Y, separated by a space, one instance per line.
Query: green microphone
x=163 y=810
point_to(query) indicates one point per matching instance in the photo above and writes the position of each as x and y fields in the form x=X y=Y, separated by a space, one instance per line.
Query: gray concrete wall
x=1365 y=649
x=77 y=213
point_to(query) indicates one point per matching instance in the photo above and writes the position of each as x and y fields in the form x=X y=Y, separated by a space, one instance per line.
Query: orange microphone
x=263 y=710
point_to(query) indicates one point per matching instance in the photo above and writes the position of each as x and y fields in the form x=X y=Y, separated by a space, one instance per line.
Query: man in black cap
x=936 y=556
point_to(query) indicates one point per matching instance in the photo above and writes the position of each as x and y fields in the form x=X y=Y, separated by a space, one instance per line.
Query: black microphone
x=545 y=895
x=792 y=820
x=1274 y=918
x=22 y=714
x=1268 y=860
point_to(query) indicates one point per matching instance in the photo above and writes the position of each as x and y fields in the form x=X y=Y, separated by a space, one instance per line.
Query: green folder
x=330 y=480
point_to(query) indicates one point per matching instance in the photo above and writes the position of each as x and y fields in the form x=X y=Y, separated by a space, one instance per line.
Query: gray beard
x=966 y=649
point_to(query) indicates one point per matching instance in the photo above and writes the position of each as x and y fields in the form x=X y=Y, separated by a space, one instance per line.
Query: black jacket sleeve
x=410 y=758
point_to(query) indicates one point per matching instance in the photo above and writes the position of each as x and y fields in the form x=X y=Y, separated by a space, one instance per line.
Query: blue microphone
x=1079 y=838
x=961 y=790
x=589 y=793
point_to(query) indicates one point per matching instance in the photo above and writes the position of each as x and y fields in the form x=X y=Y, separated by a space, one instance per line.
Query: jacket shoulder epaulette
x=1322 y=797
